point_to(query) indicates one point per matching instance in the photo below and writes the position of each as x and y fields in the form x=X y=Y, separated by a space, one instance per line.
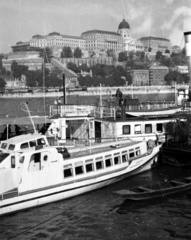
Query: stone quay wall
x=96 y=91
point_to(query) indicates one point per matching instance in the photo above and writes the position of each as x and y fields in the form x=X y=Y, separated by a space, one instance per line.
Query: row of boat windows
x=24 y=145
x=91 y=165
x=138 y=129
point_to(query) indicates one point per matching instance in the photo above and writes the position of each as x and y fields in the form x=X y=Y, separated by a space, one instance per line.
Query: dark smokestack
x=187 y=39
x=64 y=90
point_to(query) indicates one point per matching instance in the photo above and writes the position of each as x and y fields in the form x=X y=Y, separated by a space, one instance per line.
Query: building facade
x=57 y=41
x=98 y=40
x=140 y=77
x=129 y=44
x=157 y=75
x=155 y=44
x=182 y=69
x=12 y=83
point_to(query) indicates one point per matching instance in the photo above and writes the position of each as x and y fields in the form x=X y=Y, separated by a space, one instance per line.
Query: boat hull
x=65 y=191
x=160 y=112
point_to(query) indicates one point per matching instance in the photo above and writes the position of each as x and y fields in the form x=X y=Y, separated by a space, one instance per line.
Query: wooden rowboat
x=175 y=162
x=156 y=190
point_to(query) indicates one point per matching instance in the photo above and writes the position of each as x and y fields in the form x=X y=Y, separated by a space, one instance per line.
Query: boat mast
x=26 y=105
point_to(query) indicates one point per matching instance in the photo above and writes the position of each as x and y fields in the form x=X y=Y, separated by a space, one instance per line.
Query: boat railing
x=151 y=105
x=69 y=143
x=81 y=110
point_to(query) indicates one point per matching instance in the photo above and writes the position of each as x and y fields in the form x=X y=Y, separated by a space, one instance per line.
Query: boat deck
x=101 y=147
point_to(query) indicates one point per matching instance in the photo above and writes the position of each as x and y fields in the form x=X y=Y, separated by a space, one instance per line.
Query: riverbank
x=12 y=107
x=95 y=91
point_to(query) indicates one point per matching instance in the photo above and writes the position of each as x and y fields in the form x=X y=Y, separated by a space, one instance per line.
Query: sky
x=22 y=19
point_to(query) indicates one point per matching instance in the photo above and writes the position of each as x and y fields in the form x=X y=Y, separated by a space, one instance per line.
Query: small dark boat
x=173 y=161
x=156 y=190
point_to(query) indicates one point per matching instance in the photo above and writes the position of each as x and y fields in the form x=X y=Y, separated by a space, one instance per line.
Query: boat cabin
x=21 y=142
x=133 y=128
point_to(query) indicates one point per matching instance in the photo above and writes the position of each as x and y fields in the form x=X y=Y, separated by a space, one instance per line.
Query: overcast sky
x=21 y=19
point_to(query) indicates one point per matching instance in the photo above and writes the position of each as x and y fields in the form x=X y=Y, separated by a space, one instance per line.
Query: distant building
x=97 y=40
x=21 y=46
x=140 y=77
x=129 y=44
x=155 y=44
x=89 y=61
x=182 y=69
x=57 y=41
x=12 y=83
x=157 y=75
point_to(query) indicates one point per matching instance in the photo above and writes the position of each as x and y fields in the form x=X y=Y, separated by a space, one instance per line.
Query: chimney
x=187 y=39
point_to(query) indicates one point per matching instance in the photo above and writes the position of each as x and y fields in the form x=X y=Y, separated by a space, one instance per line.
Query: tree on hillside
x=2 y=83
x=73 y=67
x=167 y=51
x=174 y=76
x=77 y=53
x=99 y=70
x=84 y=67
x=112 y=53
x=129 y=79
x=17 y=70
x=158 y=55
x=66 y=52
x=122 y=57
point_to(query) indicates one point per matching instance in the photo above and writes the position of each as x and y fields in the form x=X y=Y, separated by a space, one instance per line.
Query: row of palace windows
x=148 y=128
x=99 y=163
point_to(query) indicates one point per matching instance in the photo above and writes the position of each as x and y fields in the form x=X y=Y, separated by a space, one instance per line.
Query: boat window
x=89 y=167
x=32 y=143
x=11 y=147
x=3 y=156
x=99 y=165
x=3 y=145
x=79 y=170
x=124 y=158
x=159 y=127
x=21 y=159
x=37 y=157
x=148 y=128
x=25 y=145
x=126 y=129
x=40 y=141
x=137 y=128
x=68 y=171
x=131 y=153
x=137 y=151
x=108 y=162
x=117 y=160
x=35 y=164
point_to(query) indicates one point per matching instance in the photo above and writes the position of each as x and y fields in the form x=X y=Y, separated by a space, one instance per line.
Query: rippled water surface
x=102 y=215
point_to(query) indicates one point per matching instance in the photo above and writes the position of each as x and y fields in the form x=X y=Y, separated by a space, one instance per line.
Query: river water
x=101 y=215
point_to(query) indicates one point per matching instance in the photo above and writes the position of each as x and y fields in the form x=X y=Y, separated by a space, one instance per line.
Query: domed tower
x=125 y=32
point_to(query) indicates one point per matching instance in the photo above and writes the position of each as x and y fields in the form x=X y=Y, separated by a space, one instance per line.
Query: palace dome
x=123 y=25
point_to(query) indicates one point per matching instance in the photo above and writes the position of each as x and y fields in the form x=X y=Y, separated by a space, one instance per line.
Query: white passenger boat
x=33 y=173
